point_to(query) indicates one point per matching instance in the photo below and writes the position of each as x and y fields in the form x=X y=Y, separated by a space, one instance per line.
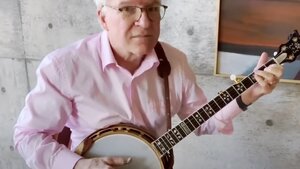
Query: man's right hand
x=101 y=163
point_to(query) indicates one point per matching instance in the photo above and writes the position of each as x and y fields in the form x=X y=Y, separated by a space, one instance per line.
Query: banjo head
x=122 y=141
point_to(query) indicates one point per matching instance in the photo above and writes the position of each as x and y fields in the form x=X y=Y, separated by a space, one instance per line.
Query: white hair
x=98 y=2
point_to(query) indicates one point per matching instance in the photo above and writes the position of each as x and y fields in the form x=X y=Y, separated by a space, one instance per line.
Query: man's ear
x=102 y=19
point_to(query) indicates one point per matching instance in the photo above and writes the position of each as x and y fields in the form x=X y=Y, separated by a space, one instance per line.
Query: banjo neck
x=174 y=135
x=287 y=52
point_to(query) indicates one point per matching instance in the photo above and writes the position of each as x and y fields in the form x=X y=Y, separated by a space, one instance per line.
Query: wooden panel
x=261 y=23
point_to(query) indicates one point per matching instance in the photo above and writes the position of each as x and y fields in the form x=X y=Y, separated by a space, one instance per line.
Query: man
x=111 y=78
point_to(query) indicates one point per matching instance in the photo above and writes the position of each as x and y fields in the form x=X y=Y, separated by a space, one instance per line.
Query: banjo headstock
x=289 y=51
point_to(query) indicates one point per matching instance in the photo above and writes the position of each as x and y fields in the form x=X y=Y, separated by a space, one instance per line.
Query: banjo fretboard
x=287 y=52
x=192 y=122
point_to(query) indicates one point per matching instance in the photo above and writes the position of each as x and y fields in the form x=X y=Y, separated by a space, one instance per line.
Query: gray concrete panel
x=192 y=27
x=48 y=25
x=13 y=88
x=31 y=68
x=11 y=42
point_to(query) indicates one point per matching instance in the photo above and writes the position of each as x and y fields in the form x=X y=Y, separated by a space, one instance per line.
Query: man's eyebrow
x=124 y=3
x=128 y=3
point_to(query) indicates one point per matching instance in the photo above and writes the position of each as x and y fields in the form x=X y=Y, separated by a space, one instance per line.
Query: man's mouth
x=141 y=36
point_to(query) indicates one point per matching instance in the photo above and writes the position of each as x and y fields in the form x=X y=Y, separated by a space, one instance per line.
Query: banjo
x=148 y=152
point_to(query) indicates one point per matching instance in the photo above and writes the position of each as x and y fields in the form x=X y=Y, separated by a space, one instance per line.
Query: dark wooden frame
x=248 y=28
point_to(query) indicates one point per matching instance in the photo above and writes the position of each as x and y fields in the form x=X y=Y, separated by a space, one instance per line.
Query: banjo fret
x=170 y=139
x=197 y=115
x=175 y=138
x=219 y=100
x=159 y=146
x=194 y=121
x=177 y=134
x=185 y=128
x=252 y=78
x=190 y=124
x=226 y=96
x=207 y=111
x=235 y=91
x=180 y=131
x=214 y=107
x=166 y=142
x=249 y=81
x=229 y=92
x=217 y=105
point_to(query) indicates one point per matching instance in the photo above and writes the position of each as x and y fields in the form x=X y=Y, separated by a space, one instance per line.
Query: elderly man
x=111 y=78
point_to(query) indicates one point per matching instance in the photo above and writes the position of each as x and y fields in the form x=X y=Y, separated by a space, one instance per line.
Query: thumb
x=262 y=60
x=116 y=161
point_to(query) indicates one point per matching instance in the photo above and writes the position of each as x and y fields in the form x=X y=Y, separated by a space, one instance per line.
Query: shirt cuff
x=225 y=116
x=65 y=159
x=229 y=112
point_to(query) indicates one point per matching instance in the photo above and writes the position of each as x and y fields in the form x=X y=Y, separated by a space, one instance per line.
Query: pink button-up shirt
x=82 y=87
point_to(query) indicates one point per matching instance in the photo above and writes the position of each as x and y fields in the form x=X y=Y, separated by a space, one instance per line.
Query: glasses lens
x=156 y=13
x=129 y=11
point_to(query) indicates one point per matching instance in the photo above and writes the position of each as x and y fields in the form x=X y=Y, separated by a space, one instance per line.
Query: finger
x=275 y=69
x=96 y=163
x=262 y=60
x=116 y=161
x=267 y=77
x=260 y=80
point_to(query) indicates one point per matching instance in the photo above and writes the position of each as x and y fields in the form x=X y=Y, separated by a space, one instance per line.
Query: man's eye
x=153 y=9
x=129 y=9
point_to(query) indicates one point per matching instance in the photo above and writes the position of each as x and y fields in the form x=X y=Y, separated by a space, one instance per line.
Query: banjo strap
x=164 y=70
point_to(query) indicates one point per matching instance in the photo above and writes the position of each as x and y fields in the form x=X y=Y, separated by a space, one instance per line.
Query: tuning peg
x=290 y=36
x=234 y=78
x=294 y=34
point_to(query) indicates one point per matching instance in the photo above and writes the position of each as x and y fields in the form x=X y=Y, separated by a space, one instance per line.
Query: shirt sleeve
x=221 y=122
x=45 y=113
x=194 y=98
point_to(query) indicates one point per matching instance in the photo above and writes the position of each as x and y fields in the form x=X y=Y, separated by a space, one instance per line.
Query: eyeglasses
x=134 y=13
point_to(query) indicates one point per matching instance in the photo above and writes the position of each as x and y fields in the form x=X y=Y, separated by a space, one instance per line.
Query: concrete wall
x=266 y=136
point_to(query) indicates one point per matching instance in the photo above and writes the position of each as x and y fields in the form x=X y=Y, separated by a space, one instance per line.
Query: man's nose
x=144 y=20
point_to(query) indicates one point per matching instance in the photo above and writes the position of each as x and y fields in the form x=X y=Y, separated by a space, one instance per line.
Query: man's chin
x=143 y=49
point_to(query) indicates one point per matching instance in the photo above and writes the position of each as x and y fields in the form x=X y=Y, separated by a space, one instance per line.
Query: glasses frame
x=121 y=9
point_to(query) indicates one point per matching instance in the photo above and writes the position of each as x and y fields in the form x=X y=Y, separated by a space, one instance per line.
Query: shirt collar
x=107 y=56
